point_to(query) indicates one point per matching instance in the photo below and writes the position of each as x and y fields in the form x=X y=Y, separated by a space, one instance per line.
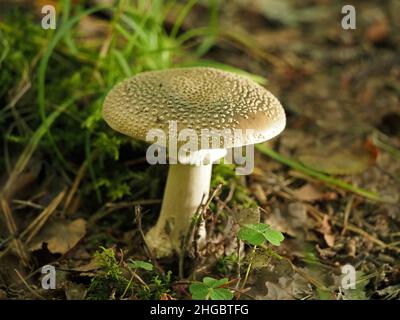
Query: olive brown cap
x=196 y=98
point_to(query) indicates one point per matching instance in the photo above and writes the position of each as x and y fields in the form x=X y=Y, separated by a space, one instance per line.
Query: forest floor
x=77 y=196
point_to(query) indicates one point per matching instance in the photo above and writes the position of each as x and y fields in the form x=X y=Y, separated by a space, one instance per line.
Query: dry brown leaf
x=259 y=193
x=166 y=296
x=337 y=160
x=326 y=230
x=287 y=288
x=92 y=265
x=74 y=291
x=291 y=220
x=245 y=216
x=60 y=235
x=378 y=32
x=3 y=295
x=277 y=292
x=93 y=28
x=308 y=193
x=297 y=214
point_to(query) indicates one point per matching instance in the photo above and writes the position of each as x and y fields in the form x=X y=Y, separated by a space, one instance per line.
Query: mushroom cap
x=196 y=98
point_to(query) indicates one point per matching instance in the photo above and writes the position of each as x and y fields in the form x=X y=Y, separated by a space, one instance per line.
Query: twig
x=306 y=276
x=9 y=220
x=199 y=213
x=242 y=292
x=318 y=215
x=35 y=226
x=111 y=207
x=186 y=239
x=78 y=179
x=239 y=263
x=23 y=203
x=138 y=220
x=12 y=229
x=249 y=267
x=28 y=286
x=74 y=187
x=347 y=211
x=231 y=193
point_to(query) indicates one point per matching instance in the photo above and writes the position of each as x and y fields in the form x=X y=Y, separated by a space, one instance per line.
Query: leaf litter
x=336 y=104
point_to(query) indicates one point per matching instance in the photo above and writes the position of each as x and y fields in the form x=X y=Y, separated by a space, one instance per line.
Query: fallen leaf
x=378 y=32
x=3 y=295
x=166 y=296
x=291 y=220
x=287 y=288
x=74 y=291
x=297 y=214
x=244 y=216
x=259 y=193
x=60 y=235
x=338 y=160
x=290 y=15
x=308 y=193
x=276 y=292
x=326 y=231
x=92 y=265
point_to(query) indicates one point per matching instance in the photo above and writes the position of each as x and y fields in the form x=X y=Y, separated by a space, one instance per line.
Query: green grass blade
x=181 y=17
x=33 y=143
x=122 y=63
x=65 y=28
x=60 y=33
x=66 y=11
x=138 y=29
x=192 y=33
x=210 y=39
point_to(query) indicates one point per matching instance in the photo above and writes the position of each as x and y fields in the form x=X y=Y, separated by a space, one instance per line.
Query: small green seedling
x=257 y=234
x=137 y=264
x=210 y=288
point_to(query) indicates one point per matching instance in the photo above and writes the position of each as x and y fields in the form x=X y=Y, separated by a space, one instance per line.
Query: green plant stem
x=126 y=288
x=249 y=267
x=373 y=196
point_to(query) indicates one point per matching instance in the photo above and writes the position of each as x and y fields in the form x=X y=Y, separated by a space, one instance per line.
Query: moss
x=109 y=279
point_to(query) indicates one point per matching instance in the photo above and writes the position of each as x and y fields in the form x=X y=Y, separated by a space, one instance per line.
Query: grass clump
x=63 y=69
x=72 y=77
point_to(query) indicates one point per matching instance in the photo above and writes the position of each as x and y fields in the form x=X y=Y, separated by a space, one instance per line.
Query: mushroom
x=199 y=99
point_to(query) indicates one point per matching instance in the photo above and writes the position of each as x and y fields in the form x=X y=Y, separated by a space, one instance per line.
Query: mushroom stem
x=186 y=189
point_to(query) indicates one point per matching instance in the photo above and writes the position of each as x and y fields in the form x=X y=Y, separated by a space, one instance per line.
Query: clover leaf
x=256 y=234
x=210 y=288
